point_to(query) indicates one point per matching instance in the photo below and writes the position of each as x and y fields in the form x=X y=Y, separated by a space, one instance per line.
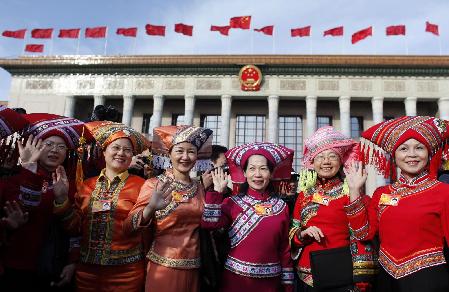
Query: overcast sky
x=283 y=14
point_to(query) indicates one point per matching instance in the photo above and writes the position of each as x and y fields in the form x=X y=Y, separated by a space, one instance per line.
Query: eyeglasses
x=331 y=157
x=126 y=150
x=53 y=145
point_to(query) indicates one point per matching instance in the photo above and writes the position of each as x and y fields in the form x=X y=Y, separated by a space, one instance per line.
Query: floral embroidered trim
x=305 y=274
x=253 y=270
x=212 y=212
x=415 y=264
x=287 y=276
x=174 y=263
x=355 y=207
x=248 y=219
x=190 y=190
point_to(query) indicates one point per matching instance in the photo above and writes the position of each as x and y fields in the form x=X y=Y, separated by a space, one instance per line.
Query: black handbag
x=331 y=268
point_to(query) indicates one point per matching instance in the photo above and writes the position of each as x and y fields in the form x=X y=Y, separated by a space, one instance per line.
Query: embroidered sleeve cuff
x=360 y=233
x=212 y=212
x=355 y=207
x=287 y=276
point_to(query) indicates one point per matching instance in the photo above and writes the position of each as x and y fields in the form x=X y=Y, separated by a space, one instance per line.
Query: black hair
x=19 y=110
x=105 y=113
x=216 y=150
x=243 y=189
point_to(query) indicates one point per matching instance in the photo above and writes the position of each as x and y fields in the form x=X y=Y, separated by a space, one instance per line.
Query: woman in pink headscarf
x=319 y=218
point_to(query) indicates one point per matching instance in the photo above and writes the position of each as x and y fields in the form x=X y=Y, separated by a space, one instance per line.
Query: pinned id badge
x=101 y=206
x=263 y=209
x=389 y=200
x=179 y=197
x=320 y=199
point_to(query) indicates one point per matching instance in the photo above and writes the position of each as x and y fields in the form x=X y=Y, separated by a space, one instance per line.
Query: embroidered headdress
x=280 y=156
x=327 y=138
x=44 y=125
x=384 y=138
x=105 y=132
x=10 y=121
x=165 y=137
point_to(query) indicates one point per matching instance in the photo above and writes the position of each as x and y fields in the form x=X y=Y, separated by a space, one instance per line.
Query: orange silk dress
x=174 y=253
x=109 y=259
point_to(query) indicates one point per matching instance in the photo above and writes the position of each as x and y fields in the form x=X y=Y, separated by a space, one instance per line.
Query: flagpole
x=440 y=46
x=106 y=41
x=273 y=46
x=228 y=45
x=78 y=45
x=375 y=43
x=252 y=42
x=51 y=46
x=406 y=44
x=134 y=45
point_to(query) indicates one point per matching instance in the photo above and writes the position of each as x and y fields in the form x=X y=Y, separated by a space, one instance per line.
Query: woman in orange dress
x=109 y=259
x=170 y=206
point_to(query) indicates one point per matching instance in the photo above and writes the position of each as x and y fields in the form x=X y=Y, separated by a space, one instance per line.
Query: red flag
x=336 y=31
x=72 y=33
x=17 y=34
x=42 y=33
x=184 y=29
x=301 y=32
x=432 y=28
x=33 y=48
x=155 y=29
x=243 y=22
x=129 y=32
x=268 y=30
x=224 y=30
x=395 y=30
x=362 y=34
x=96 y=32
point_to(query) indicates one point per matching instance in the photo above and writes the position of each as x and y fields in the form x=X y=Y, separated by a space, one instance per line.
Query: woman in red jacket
x=319 y=218
x=411 y=215
x=257 y=219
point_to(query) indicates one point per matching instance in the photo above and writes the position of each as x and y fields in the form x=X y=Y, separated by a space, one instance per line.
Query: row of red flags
x=239 y=22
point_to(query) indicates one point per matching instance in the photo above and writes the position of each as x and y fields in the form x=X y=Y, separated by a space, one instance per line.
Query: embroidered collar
x=415 y=181
x=122 y=176
x=258 y=195
x=328 y=184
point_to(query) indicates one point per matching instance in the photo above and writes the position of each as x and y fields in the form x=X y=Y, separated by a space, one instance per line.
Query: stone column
x=226 y=103
x=443 y=107
x=377 y=104
x=345 y=115
x=273 y=118
x=128 y=108
x=410 y=106
x=158 y=107
x=69 y=109
x=189 y=108
x=98 y=100
x=311 y=114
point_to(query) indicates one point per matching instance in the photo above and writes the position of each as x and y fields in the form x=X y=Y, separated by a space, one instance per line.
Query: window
x=322 y=121
x=249 y=129
x=177 y=119
x=290 y=135
x=146 y=123
x=356 y=127
x=212 y=122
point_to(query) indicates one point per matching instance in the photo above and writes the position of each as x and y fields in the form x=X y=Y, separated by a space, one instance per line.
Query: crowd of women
x=75 y=218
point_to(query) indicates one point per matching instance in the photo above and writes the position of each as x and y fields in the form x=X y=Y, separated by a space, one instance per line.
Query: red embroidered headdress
x=44 y=125
x=389 y=135
x=10 y=121
x=280 y=156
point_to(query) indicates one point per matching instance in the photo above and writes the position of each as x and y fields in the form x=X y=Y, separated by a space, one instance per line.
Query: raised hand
x=356 y=177
x=160 y=198
x=31 y=151
x=207 y=179
x=312 y=232
x=220 y=180
x=15 y=217
x=60 y=185
x=66 y=276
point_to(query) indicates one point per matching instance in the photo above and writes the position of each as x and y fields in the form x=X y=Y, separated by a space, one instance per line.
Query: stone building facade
x=298 y=93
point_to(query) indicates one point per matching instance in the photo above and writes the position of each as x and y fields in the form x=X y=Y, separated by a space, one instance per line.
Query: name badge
x=263 y=209
x=389 y=200
x=321 y=199
x=101 y=206
x=179 y=197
